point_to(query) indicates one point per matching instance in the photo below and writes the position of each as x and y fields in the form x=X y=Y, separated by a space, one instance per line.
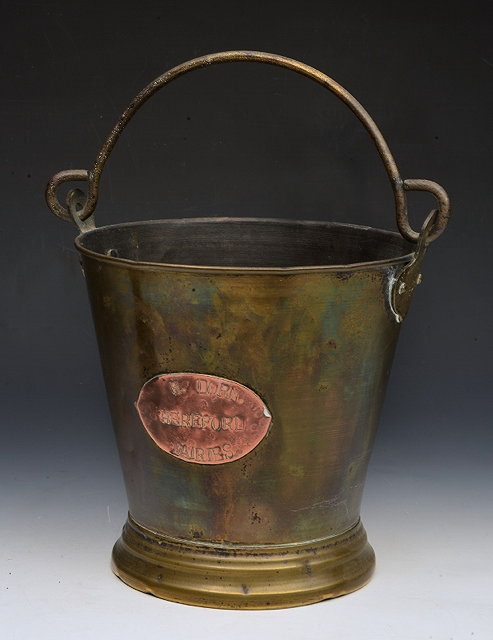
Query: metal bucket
x=245 y=362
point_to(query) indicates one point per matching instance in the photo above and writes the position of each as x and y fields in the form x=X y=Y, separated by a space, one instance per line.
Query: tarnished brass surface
x=315 y=345
x=240 y=577
x=247 y=497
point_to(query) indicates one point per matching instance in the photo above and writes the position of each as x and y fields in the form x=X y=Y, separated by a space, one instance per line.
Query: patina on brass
x=245 y=361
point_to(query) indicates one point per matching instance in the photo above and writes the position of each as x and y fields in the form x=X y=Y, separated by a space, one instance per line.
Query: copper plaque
x=202 y=418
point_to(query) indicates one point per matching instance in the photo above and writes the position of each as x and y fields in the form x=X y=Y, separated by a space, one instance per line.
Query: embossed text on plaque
x=202 y=418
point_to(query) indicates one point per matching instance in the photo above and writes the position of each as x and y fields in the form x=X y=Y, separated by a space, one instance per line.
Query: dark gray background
x=244 y=140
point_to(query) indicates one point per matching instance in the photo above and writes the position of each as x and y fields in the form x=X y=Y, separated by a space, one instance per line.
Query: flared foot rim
x=231 y=576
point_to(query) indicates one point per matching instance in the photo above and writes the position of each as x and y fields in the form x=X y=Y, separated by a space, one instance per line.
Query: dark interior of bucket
x=245 y=243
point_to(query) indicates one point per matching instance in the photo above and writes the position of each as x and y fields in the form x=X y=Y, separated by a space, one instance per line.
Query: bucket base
x=239 y=576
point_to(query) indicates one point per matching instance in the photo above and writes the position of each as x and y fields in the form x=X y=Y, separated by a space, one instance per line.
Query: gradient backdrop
x=247 y=140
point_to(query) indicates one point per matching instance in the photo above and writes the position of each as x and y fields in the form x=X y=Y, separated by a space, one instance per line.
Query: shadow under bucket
x=245 y=362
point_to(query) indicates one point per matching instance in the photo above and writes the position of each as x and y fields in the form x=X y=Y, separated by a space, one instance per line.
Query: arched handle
x=399 y=186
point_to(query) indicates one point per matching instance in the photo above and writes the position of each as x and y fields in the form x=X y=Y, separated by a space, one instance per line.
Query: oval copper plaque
x=202 y=418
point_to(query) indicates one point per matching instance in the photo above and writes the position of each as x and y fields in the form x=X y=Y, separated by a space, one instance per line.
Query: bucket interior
x=245 y=242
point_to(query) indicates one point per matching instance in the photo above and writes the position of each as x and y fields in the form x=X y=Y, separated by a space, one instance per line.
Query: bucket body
x=296 y=312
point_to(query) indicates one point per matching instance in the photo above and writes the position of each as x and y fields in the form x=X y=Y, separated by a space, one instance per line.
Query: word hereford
x=200 y=421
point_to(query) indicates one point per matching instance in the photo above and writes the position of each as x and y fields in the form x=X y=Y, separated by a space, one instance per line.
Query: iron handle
x=70 y=175
x=399 y=186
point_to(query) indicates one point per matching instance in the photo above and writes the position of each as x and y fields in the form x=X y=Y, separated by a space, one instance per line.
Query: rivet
x=419 y=279
x=402 y=288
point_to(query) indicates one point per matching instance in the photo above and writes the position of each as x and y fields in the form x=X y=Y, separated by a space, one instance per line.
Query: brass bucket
x=245 y=362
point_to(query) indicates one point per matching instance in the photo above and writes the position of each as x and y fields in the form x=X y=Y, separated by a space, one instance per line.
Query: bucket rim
x=175 y=266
